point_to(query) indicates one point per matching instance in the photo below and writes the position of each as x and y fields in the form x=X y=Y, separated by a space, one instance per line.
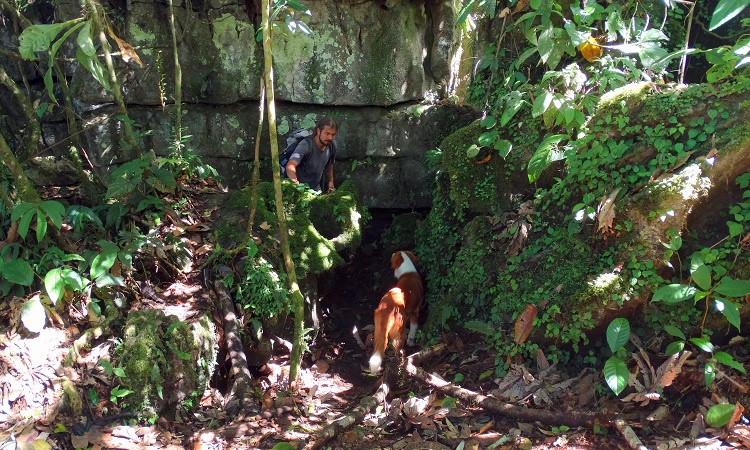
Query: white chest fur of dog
x=398 y=305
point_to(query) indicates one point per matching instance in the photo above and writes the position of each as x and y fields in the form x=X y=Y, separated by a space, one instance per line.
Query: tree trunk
x=298 y=304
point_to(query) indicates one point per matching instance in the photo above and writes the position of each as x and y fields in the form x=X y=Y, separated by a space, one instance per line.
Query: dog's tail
x=385 y=318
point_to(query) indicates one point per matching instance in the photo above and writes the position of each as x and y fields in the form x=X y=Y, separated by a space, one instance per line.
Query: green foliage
x=48 y=210
x=43 y=37
x=615 y=371
x=261 y=290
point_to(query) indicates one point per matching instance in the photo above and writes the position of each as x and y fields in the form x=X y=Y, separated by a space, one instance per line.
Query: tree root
x=367 y=404
x=239 y=400
x=88 y=336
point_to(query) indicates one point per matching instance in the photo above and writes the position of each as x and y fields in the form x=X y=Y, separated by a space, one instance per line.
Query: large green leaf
x=542 y=158
x=703 y=344
x=702 y=277
x=503 y=147
x=102 y=263
x=52 y=53
x=618 y=333
x=97 y=69
x=18 y=271
x=20 y=210
x=616 y=374
x=513 y=104
x=674 y=293
x=725 y=11
x=719 y=415
x=33 y=315
x=727 y=359
x=733 y=288
x=38 y=38
x=84 y=41
x=54 y=284
x=41 y=226
x=541 y=104
x=729 y=310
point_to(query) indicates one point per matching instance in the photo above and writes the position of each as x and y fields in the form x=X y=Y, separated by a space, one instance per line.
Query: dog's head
x=398 y=258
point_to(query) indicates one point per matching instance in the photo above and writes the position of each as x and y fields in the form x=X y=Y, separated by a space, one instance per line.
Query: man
x=314 y=156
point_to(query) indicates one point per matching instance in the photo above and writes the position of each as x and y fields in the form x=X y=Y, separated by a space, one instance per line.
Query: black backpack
x=294 y=138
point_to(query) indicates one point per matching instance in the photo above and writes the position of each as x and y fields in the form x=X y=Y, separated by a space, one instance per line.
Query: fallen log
x=568 y=418
x=339 y=426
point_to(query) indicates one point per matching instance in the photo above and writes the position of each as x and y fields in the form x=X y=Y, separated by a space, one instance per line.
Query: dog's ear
x=396 y=260
x=412 y=256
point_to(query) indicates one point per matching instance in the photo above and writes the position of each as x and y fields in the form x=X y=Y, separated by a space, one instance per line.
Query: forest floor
x=334 y=381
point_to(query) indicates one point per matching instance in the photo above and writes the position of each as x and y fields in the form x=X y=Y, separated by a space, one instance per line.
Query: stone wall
x=382 y=68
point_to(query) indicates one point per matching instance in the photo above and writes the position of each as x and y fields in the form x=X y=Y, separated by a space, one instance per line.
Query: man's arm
x=291 y=170
x=330 y=178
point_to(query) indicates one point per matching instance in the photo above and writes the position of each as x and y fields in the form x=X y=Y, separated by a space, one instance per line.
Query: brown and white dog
x=399 y=305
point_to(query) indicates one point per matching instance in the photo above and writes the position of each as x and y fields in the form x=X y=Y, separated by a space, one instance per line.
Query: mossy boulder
x=652 y=150
x=167 y=362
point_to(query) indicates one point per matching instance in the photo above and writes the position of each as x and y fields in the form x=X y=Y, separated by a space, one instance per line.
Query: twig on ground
x=629 y=435
x=355 y=333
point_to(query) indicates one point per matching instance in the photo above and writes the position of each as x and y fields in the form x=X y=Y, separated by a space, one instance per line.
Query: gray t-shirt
x=311 y=162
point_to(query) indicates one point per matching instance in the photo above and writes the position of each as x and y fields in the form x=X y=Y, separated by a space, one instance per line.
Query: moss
x=166 y=361
x=481 y=188
x=142 y=357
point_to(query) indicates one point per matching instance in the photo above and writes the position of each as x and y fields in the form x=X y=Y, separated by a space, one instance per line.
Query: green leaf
x=727 y=359
x=513 y=104
x=719 y=415
x=616 y=374
x=119 y=372
x=20 y=210
x=674 y=347
x=95 y=67
x=487 y=138
x=41 y=226
x=102 y=263
x=488 y=122
x=674 y=331
x=702 y=277
x=472 y=151
x=18 y=271
x=734 y=228
x=107 y=279
x=283 y=446
x=733 y=288
x=725 y=11
x=33 y=315
x=84 y=41
x=54 y=284
x=674 y=293
x=729 y=310
x=37 y=38
x=55 y=211
x=709 y=374
x=25 y=223
x=703 y=344
x=503 y=147
x=542 y=158
x=107 y=366
x=618 y=333
x=542 y=103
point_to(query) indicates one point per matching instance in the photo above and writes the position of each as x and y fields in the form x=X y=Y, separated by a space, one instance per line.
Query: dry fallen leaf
x=524 y=324
x=606 y=212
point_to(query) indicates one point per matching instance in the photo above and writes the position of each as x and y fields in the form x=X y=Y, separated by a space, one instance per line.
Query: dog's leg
x=412 y=333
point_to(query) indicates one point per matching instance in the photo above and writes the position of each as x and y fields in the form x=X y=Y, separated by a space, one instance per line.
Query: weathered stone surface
x=380 y=150
x=375 y=66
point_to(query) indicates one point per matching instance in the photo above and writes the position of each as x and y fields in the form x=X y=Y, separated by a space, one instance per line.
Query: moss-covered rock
x=167 y=362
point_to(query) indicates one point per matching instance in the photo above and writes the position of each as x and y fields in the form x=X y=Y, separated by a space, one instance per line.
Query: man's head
x=326 y=129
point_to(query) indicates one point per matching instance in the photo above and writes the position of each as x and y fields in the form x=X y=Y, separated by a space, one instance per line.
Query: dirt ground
x=334 y=382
